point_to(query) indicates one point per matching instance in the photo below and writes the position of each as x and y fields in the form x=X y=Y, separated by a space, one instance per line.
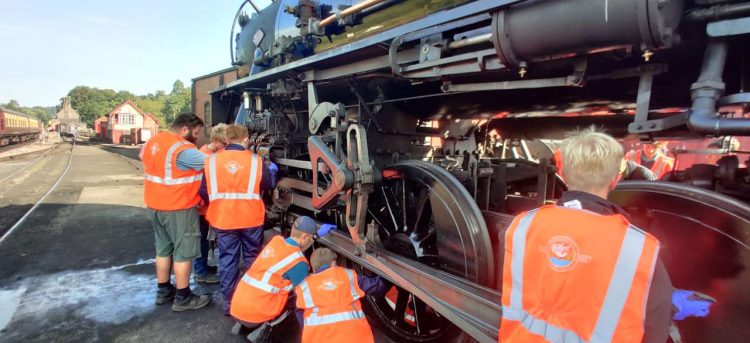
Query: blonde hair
x=219 y=133
x=321 y=257
x=236 y=133
x=591 y=160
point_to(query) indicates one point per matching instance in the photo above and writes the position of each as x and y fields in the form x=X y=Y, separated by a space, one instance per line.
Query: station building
x=126 y=124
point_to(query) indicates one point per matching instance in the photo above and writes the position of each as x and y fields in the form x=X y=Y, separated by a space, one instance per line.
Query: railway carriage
x=16 y=127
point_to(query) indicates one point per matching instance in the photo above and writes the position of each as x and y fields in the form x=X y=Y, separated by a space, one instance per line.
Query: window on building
x=207 y=117
x=127 y=119
x=221 y=80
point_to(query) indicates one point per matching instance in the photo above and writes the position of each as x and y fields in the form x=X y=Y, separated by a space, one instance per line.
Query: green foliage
x=91 y=103
x=43 y=113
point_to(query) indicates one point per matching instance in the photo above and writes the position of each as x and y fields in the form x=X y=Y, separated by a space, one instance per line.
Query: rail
x=475 y=309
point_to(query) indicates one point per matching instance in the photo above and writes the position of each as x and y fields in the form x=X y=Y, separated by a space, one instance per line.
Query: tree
x=178 y=101
x=42 y=113
x=92 y=102
x=12 y=104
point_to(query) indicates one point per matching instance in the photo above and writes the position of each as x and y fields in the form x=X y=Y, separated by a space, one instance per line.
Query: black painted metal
x=473 y=308
x=705 y=245
x=703 y=117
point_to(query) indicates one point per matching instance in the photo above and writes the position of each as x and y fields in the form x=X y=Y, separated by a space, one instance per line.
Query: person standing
x=330 y=300
x=173 y=168
x=261 y=295
x=235 y=179
x=203 y=272
x=579 y=270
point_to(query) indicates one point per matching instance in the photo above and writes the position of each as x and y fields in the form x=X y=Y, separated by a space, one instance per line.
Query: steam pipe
x=349 y=11
x=719 y=12
x=702 y=116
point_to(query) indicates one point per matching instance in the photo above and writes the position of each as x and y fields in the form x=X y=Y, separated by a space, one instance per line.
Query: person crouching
x=260 y=300
x=330 y=300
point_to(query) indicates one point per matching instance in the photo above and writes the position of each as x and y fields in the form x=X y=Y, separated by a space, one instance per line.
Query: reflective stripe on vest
x=168 y=180
x=614 y=301
x=264 y=284
x=249 y=195
x=314 y=319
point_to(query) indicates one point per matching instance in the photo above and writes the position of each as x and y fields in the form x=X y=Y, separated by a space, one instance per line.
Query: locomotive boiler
x=423 y=126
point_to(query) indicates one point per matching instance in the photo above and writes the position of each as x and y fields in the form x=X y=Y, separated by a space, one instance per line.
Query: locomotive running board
x=475 y=309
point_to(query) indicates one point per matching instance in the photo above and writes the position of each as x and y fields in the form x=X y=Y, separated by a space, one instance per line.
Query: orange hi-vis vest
x=662 y=164
x=333 y=312
x=203 y=206
x=233 y=183
x=570 y=275
x=262 y=292
x=166 y=187
x=558 y=161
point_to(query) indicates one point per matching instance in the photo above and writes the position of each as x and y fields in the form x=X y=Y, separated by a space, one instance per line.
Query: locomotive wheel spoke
x=421 y=317
x=401 y=303
x=425 y=214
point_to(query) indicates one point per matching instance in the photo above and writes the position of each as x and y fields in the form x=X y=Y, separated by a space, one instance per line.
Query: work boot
x=191 y=302
x=207 y=278
x=261 y=334
x=165 y=294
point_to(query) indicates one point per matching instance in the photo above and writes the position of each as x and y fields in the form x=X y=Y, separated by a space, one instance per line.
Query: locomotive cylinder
x=541 y=29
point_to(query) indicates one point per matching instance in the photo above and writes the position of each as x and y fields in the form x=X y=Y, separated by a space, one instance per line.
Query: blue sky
x=48 y=47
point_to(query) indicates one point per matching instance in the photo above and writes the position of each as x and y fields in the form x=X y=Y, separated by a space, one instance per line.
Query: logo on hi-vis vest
x=154 y=149
x=329 y=285
x=563 y=253
x=233 y=167
x=267 y=252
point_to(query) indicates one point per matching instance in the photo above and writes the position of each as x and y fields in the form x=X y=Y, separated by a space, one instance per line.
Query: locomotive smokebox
x=541 y=29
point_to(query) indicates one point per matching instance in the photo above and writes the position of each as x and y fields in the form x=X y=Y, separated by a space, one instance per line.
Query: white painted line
x=18 y=223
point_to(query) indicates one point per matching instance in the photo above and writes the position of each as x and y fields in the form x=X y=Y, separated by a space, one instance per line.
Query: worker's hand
x=325 y=229
x=273 y=168
x=690 y=304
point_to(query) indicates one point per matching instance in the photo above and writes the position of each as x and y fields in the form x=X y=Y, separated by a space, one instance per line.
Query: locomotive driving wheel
x=423 y=213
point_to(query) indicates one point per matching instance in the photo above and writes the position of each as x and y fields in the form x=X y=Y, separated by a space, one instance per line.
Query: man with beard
x=174 y=170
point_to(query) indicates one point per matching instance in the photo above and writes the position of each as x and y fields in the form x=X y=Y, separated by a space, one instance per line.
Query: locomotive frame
x=354 y=127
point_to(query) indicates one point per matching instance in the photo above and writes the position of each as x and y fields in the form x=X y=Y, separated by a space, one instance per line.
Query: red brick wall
x=201 y=87
x=116 y=136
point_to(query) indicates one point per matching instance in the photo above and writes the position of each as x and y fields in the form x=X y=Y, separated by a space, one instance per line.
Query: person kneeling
x=330 y=300
x=260 y=300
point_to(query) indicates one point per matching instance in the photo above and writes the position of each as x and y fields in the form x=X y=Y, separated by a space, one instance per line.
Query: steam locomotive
x=423 y=126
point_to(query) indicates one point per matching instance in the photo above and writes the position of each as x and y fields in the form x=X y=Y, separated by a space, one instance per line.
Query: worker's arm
x=658 y=306
x=203 y=190
x=191 y=159
x=268 y=177
x=297 y=274
x=374 y=286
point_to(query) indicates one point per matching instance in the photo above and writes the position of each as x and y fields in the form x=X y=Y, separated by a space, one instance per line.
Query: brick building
x=201 y=101
x=68 y=119
x=127 y=124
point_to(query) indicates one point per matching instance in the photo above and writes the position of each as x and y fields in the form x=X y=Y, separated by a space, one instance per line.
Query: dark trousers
x=233 y=244
x=200 y=265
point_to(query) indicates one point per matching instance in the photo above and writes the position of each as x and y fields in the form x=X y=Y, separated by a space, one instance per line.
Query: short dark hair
x=321 y=257
x=187 y=119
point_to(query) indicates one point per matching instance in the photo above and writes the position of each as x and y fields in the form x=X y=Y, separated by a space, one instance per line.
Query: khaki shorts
x=177 y=234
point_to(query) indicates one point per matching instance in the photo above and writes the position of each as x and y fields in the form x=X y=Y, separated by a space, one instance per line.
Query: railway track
x=11 y=146
x=26 y=188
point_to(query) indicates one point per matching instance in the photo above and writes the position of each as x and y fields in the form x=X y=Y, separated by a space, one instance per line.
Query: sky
x=50 y=46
